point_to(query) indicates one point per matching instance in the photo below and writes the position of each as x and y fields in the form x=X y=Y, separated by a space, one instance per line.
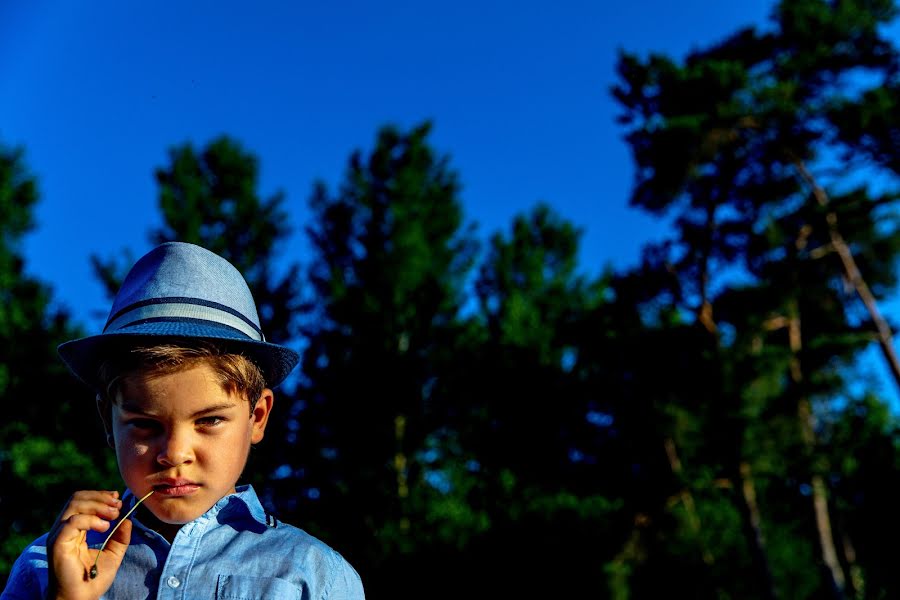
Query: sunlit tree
x=782 y=203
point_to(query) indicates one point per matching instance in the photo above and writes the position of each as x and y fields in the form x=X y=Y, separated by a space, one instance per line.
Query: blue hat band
x=182 y=308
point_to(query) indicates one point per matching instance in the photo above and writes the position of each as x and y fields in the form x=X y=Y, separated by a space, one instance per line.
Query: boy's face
x=185 y=437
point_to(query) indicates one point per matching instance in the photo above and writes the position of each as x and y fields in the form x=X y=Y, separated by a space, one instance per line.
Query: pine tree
x=53 y=443
x=391 y=260
x=533 y=451
x=745 y=144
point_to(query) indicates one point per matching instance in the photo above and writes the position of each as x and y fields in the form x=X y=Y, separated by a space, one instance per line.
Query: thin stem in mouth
x=93 y=572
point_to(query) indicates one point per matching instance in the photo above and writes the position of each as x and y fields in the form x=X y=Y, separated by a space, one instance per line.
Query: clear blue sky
x=96 y=92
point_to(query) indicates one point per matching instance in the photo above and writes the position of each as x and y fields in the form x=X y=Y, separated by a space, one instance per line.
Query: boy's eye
x=143 y=424
x=210 y=421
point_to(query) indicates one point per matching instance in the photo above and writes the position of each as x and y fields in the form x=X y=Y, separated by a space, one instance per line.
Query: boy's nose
x=175 y=451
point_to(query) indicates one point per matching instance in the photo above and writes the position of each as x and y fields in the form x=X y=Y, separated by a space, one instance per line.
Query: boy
x=183 y=377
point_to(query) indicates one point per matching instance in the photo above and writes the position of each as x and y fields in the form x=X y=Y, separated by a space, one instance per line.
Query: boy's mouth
x=176 y=487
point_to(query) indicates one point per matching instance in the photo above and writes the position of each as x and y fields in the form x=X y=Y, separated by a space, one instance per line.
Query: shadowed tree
x=862 y=442
x=53 y=443
x=524 y=425
x=658 y=389
x=531 y=302
x=391 y=259
x=740 y=143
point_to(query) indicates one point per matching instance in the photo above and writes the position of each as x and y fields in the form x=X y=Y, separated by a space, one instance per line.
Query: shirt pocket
x=244 y=587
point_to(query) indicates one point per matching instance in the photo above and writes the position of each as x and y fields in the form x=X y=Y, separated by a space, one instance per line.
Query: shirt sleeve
x=346 y=583
x=22 y=583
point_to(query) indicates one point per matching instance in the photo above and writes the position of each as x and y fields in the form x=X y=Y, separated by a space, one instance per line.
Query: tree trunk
x=752 y=521
x=856 y=587
x=687 y=500
x=632 y=552
x=746 y=489
x=400 y=469
x=819 y=490
x=853 y=275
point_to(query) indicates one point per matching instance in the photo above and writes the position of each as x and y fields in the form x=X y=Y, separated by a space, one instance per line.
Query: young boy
x=183 y=377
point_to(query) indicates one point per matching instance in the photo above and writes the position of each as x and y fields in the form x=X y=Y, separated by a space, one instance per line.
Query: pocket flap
x=244 y=587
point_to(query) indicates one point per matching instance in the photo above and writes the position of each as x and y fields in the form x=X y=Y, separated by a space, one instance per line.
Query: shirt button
x=173 y=582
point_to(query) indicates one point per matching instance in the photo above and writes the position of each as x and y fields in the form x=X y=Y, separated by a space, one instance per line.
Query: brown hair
x=236 y=373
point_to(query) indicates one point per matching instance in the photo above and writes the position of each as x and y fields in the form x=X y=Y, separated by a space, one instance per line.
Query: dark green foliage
x=863 y=455
x=523 y=418
x=521 y=391
x=392 y=258
x=51 y=442
x=760 y=151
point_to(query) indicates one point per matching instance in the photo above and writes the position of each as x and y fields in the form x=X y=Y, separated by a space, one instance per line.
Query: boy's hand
x=68 y=557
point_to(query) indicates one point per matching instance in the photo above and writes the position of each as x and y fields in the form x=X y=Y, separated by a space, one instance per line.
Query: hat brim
x=85 y=356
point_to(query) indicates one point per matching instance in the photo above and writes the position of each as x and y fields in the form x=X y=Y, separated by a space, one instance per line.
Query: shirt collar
x=243 y=493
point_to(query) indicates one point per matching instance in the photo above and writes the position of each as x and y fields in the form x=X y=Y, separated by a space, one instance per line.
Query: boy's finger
x=99 y=495
x=79 y=498
x=118 y=543
x=90 y=507
x=72 y=529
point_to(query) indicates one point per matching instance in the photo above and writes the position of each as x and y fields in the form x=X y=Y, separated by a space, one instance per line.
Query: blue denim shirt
x=235 y=551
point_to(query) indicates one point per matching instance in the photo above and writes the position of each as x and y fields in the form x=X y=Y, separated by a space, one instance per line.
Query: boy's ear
x=260 y=415
x=104 y=408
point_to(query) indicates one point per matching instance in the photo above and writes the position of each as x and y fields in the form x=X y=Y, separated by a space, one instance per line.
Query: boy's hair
x=236 y=373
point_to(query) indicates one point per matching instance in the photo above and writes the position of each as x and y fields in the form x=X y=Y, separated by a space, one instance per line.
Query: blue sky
x=96 y=92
